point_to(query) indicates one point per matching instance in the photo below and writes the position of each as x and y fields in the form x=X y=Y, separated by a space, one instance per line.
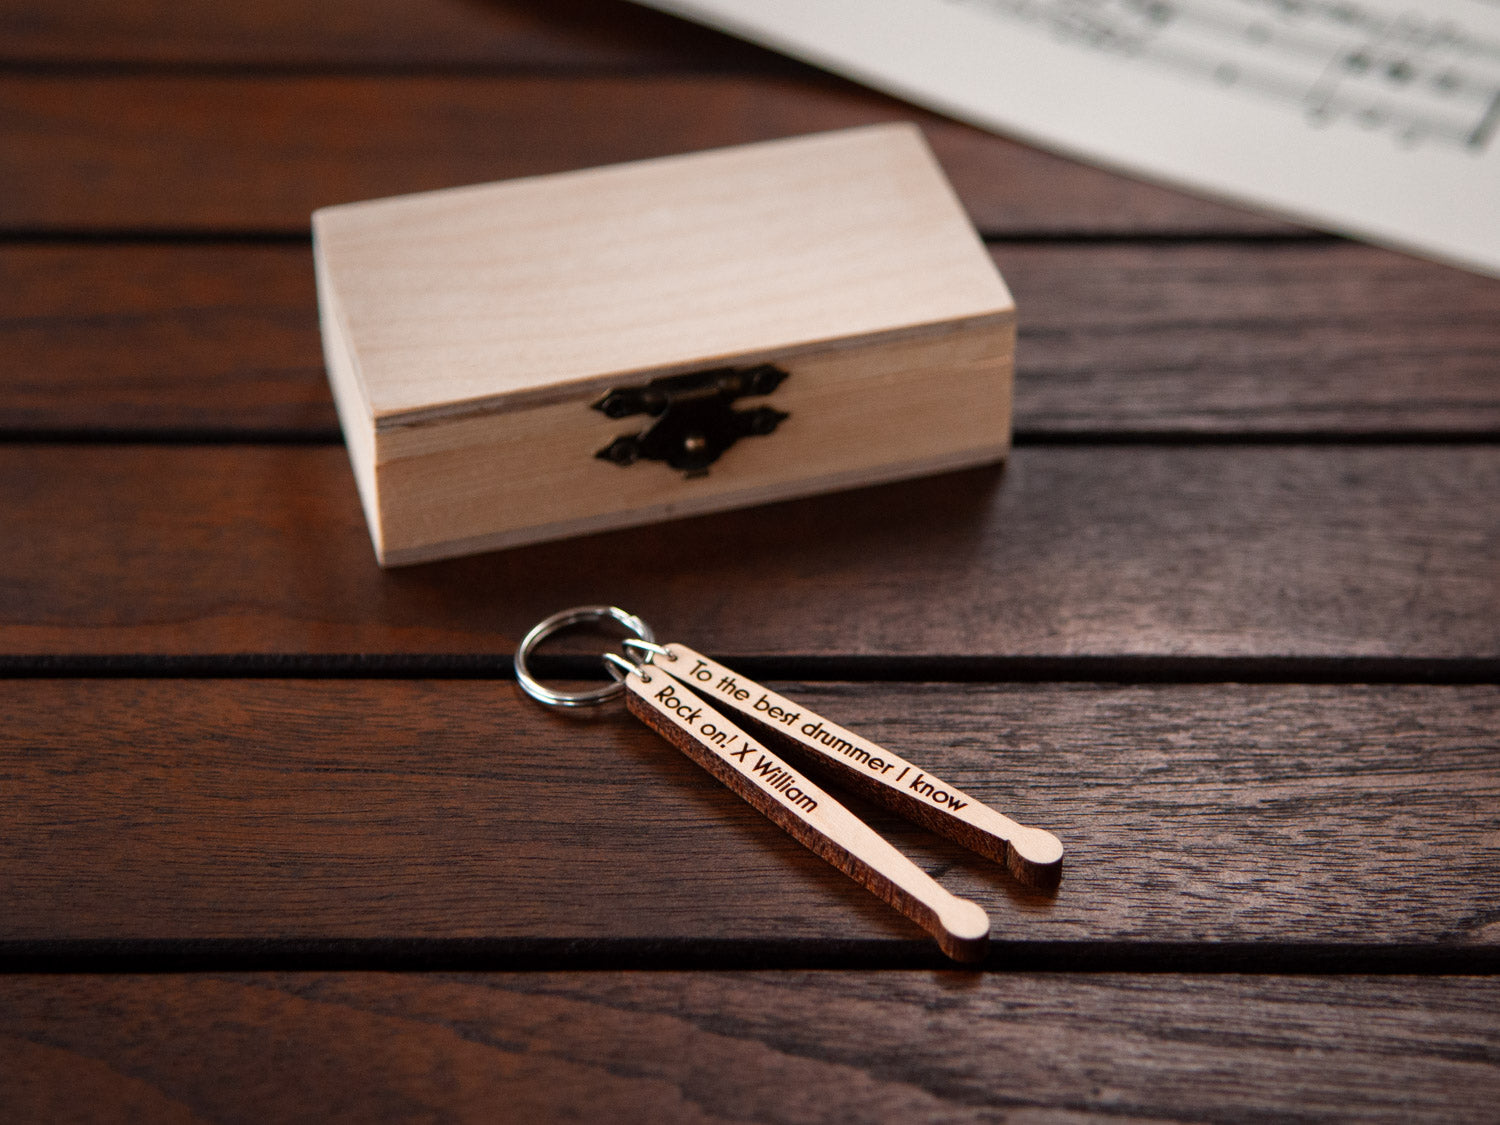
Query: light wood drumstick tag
x=809 y=814
x=1033 y=855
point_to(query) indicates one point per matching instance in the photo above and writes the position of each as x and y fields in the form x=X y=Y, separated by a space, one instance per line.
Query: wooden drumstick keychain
x=666 y=687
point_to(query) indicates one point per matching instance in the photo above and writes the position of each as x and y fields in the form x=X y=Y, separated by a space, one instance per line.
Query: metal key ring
x=558 y=621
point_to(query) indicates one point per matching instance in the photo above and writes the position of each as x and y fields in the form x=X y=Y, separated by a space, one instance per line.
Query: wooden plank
x=1382 y=551
x=141 y=337
x=496 y=35
x=1290 y=338
x=1206 y=339
x=171 y=811
x=675 y=1047
x=151 y=152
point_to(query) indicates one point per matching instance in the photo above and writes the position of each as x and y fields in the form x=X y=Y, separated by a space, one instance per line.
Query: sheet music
x=1375 y=118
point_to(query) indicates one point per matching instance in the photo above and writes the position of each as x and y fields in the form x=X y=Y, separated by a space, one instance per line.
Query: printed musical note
x=1375 y=118
x=1363 y=65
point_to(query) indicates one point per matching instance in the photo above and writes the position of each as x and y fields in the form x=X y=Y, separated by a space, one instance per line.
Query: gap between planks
x=276 y=236
x=1021 y=438
x=771 y=66
x=601 y=955
x=806 y=669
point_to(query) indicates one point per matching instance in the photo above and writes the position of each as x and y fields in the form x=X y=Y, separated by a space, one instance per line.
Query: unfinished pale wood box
x=510 y=360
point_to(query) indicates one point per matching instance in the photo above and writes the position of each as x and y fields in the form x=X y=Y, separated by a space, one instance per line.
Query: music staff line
x=1420 y=80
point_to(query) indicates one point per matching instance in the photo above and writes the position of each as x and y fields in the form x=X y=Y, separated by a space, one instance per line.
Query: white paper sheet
x=1374 y=118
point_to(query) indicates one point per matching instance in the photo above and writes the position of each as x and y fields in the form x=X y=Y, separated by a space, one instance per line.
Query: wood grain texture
x=1174 y=551
x=1290 y=338
x=1306 y=338
x=490 y=297
x=481 y=34
x=775 y=1047
x=867 y=412
x=143 y=338
x=214 y=153
x=180 y=810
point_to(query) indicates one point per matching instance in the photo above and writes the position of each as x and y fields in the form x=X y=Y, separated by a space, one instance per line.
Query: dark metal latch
x=695 y=419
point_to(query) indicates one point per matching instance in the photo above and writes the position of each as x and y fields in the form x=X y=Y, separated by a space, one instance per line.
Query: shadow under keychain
x=666 y=687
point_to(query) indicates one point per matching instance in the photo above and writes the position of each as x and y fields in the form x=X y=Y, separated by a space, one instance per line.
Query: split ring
x=559 y=621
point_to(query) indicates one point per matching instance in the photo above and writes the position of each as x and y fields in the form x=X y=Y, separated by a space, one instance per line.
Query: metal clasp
x=695 y=421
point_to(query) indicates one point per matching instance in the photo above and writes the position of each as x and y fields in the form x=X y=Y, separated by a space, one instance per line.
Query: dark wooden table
x=281 y=840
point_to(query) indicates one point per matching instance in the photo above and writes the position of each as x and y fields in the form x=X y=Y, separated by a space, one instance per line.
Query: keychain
x=669 y=688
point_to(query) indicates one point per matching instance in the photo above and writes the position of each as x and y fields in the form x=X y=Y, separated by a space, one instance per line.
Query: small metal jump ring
x=650 y=649
x=544 y=629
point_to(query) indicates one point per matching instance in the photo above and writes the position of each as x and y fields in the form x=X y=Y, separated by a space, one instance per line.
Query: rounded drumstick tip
x=965 y=931
x=1035 y=857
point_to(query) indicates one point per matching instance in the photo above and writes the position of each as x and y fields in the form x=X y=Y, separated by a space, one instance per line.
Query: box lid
x=471 y=299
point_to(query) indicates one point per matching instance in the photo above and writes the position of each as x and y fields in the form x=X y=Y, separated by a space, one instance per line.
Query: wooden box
x=563 y=354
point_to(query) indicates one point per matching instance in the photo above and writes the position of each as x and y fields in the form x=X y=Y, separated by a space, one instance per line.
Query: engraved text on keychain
x=665 y=686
